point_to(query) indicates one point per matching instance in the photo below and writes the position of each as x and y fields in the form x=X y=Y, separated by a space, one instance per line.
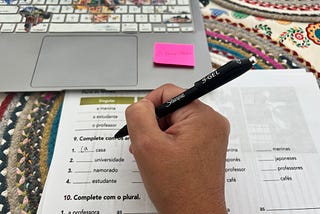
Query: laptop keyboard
x=40 y=16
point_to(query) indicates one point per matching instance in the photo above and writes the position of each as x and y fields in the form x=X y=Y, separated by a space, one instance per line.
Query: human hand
x=181 y=157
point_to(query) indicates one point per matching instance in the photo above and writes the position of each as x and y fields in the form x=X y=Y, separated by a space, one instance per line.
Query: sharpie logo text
x=175 y=99
x=210 y=76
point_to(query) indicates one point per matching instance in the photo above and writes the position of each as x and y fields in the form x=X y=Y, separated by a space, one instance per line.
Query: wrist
x=190 y=204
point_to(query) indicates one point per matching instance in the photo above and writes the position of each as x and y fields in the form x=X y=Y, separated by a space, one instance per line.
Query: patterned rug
x=28 y=127
x=236 y=41
x=276 y=44
x=293 y=10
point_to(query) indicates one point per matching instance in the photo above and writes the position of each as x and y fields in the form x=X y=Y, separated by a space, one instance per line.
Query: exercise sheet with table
x=272 y=158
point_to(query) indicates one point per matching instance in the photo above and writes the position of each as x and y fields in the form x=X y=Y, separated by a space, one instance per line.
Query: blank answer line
x=82 y=182
x=268 y=170
x=293 y=209
x=82 y=171
x=266 y=160
x=79 y=130
x=99 y=112
x=271 y=180
x=139 y=213
x=97 y=120
x=84 y=161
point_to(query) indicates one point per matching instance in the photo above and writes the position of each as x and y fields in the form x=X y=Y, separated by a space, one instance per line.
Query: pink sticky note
x=173 y=54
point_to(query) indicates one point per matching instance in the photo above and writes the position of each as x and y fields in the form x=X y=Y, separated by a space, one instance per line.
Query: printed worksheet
x=91 y=171
x=272 y=163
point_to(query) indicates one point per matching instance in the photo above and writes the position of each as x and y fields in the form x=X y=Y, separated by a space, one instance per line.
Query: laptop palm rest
x=86 y=61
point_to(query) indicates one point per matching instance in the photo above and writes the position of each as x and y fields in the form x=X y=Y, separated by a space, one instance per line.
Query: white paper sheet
x=272 y=160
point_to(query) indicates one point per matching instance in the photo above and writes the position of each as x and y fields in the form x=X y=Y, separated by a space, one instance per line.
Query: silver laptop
x=55 y=45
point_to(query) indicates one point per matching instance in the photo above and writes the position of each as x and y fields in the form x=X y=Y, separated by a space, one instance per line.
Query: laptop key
x=83 y=27
x=40 y=28
x=10 y=18
x=38 y=2
x=145 y=27
x=159 y=29
x=129 y=27
x=8 y=9
x=7 y=28
x=58 y=18
x=20 y=28
x=53 y=9
x=187 y=28
x=52 y=1
x=72 y=18
x=67 y=9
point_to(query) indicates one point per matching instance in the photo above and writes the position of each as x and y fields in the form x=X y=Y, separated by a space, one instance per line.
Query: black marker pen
x=215 y=79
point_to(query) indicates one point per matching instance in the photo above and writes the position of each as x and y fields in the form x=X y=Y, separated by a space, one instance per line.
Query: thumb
x=141 y=120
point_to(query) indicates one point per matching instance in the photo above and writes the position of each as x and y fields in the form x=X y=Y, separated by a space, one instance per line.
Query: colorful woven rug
x=29 y=121
x=293 y=10
x=28 y=127
x=276 y=44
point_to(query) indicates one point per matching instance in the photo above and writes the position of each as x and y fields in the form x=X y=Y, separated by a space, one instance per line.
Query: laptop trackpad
x=86 y=61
